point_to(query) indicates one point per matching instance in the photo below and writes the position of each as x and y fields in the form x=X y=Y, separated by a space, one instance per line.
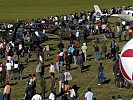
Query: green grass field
x=28 y=9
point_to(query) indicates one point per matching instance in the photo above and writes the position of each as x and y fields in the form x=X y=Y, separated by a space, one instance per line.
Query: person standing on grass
x=72 y=94
x=7 y=91
x=125 y=35
x=57 y=62
x=80 y=62
x=36 y=97
x=43 y=87
x=61 y=82
x=47 y=50
x=84 y=49
x=89 y=95
x=104 y=50
x=8 y=68
x=3 y=76
x=61 y=46
x=113 y=32
x=26 y=54
x=39 y=70
x=52 y=69
x=52 y=96
x=96 y=49
x=16 y=70
x=100 y=74
x=68 y=61
x=75 y=55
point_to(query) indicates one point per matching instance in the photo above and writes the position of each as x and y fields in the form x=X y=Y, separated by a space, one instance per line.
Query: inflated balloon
x=126 y=61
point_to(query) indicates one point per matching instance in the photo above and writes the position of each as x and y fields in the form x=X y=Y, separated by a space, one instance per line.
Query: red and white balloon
x=126 y=61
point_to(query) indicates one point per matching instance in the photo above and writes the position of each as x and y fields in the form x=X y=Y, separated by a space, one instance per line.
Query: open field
x=28 y=9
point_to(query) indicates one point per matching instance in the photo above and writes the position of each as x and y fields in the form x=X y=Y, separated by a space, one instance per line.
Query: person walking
x=61 y=82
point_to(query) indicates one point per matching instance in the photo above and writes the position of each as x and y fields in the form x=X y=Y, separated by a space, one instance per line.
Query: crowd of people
x=74 y=54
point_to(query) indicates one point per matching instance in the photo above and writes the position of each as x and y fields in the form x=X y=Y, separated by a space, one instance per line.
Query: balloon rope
x=95 y=78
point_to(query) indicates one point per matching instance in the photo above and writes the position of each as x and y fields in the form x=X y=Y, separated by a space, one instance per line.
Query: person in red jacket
x=57 y=62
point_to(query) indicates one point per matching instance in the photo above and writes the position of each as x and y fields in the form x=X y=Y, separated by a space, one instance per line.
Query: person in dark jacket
x=61 y=46
x=100 y=74
x=80 y=62
x=75 y=55
x=68 y=61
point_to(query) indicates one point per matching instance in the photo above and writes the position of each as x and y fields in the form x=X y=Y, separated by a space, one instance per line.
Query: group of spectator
x=74 y=54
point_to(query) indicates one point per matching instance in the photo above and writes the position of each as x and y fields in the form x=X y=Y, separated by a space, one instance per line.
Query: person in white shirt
x=1 y=45
x=52 y=69
x=77 y=35
x=8 y=68
x=52 y=96
x=20 y=48
x=89 y=95
x=36 y=97
x=72 y=94
x=96 y=29
x=84 y=49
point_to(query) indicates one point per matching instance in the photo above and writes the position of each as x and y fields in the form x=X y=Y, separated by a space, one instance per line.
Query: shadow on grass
x=12 y=84
x=86 y=68
x=33 y=61
x=89 y=55
x=74 y=68
x=25 y=77
x=48 y=59
x=52 y=49
x=57 y=39
x=47 y=65
x=106 y=81
x=45 y=44
x=47 y=77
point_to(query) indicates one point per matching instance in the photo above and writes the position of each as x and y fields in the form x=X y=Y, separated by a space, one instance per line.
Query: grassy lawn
x=28 y=9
